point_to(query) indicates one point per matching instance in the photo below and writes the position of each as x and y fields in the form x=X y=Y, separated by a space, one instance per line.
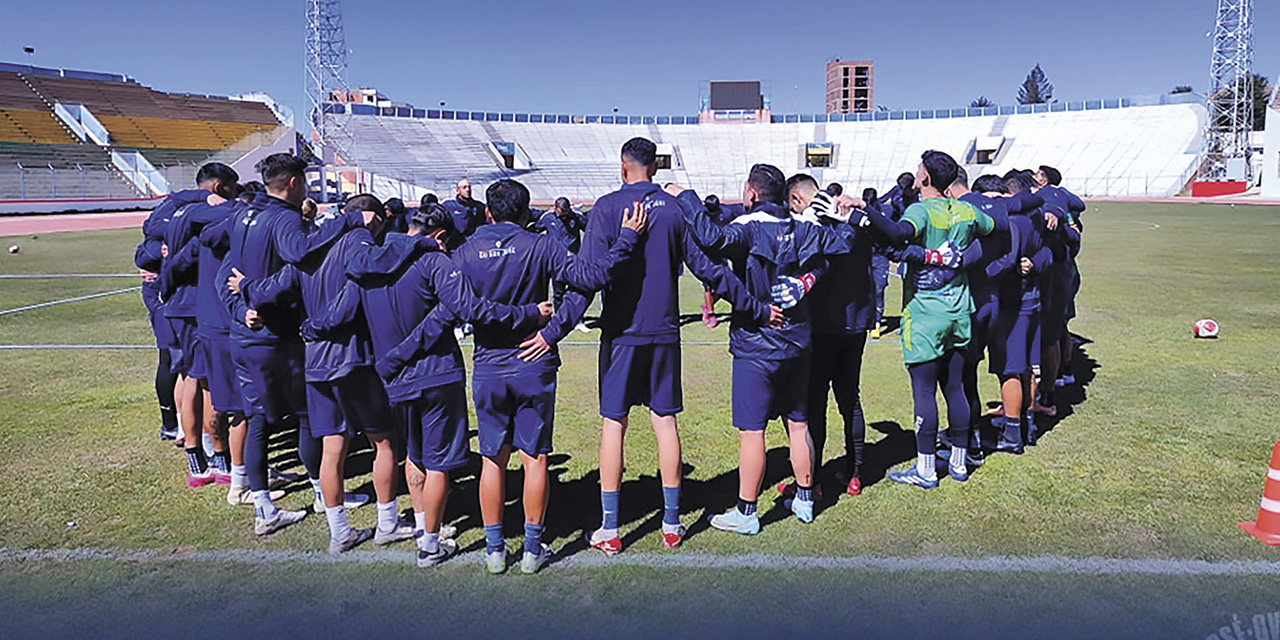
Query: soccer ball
x=1205 y=328
x=13 y=248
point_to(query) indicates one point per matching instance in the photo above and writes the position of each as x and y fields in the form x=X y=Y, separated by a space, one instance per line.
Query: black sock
x=196 y=460
x=804 y=493
x=222 y=461
x=746 y=507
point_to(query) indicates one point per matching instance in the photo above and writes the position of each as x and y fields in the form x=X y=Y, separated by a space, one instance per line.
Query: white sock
x=386 y=516
x=957 y=458
x=315 y=486
x=671 y=528
x=263 y=507
x=339 y=526
x=207 y=443
x=925 y=467
x=419 y=520
x=239 y=475
x=430 y=542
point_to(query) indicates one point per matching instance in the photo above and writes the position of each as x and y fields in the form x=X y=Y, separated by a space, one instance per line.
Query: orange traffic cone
x=1267 y=527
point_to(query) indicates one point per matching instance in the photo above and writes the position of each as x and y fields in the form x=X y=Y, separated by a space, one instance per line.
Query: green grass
x=1162 y=453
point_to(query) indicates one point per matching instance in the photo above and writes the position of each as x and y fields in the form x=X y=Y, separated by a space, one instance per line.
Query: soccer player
x=180 y=289
x=936 y=314
x=267 y=349
x=344 y=394
x=514 y=378
x=467 y=212
x=640 y=331
x=1071 y=206
x=770 y=360
x=893 y=203
x=842 y=304
x=412 y=295
x=1064 y=241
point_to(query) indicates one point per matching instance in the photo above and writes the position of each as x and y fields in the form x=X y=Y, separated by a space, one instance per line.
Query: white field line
x=66 y=300
x=51 y=276
x=592 y=560
x=117 y=347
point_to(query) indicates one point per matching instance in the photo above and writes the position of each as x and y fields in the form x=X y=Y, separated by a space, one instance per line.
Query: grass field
x=1164 y=447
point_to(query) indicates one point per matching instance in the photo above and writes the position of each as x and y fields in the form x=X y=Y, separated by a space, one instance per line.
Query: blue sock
x=532 y=537
x=609 y=505
x=671 y=505
x=492 y=537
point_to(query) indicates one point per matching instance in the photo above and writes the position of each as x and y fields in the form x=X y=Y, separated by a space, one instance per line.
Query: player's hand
x=788 y=291
x=1025 y=266
x=148 y=276
x=215 y=199
x=534 y=347
x=233 y=283
x=635 y=220
x=307 y=331
x=673 y=189
x=368 y=216
x=544 y=313
x=1050 y=221
x=252 y=320
x=164 y=250
x=946 y=255
x=777 y=319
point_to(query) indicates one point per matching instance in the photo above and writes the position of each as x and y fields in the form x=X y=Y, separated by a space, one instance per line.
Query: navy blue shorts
x=271 y=379
x=633 y=375
x=518 y=410
x=354 y=403
x=224 y=388
x=437 y=424
x=1014 y=342
x=767 y=389
x=155 y=315
x=184 y=348
x=982 y=329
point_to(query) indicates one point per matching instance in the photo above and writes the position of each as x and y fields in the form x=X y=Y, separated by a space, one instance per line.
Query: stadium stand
x=1103 y=148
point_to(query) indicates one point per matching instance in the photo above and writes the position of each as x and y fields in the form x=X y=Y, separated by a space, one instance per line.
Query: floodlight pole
x=326 y=72
x=1230 y=93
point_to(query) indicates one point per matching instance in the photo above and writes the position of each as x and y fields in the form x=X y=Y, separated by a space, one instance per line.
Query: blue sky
x=576 y=56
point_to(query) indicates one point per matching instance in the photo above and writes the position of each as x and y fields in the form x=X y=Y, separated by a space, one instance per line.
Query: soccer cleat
x=168 y=434
x=402 y=531
x=854 y=488
x=802 y=508
x=959 y=475
x=220 y=478
x=911 y=475
x=268 y=526
x=733 y=521
x=197 y=480
x=672 y=535
x=875 y=333
x=496 y=561
x=242 y=497
x=350 y=501
x=354 y=539
x=279 y=479
x=531 y=562
x=180 y=442
x=1006 y=446
x=582 y=327
x=610 y=546
x=446 y=549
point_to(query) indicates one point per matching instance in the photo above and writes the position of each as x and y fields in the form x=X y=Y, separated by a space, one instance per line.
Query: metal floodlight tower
x=1231 y=93
x=326 y=65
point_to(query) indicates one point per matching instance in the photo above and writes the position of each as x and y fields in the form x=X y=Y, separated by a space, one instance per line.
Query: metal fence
x=21 y=182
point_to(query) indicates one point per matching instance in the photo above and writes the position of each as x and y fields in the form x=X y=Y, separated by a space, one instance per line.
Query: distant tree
x=981 y=102
x=1258 y=88
x=1182 y=88
x=1036 y=89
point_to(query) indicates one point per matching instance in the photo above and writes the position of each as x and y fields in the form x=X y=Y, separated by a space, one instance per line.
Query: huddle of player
x=266 y=318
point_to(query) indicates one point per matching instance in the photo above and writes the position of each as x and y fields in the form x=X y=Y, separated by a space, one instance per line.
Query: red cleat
x=606 y=545
x=670 y=539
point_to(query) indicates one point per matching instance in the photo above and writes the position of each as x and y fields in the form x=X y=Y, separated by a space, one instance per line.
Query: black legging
x=165 y=381
x=946 y=372
x=836 y=364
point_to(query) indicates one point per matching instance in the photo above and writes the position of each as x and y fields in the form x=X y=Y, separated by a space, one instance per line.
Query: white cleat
x=268 y=526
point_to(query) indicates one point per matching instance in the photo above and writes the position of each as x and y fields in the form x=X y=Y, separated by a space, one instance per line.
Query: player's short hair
x=641 y=151
x=217 y=171
x=769 y=182
x=1051 y=175
x=794 y=182
x=989 y=184
x=430 y=217
x=563 y=204
x=941 y=167
x=870 y=196
x=508 y=200
x=962 y=177
x=395 y=208
x=277 y=168
x=365 y=202
x=835 y=189
x=906 y=181
x=249 y=190
x=429 y=198
x=1019 y=182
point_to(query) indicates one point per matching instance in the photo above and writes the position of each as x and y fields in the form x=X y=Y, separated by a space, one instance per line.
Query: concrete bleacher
x=1132 y=151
